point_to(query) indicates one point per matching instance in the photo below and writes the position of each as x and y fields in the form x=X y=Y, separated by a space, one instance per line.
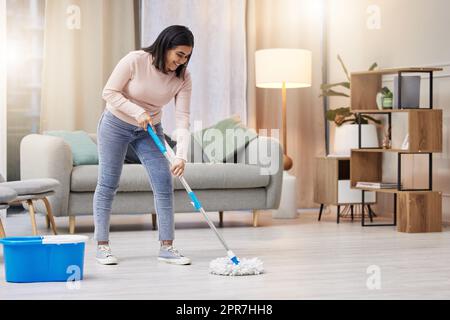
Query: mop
x=230 y=265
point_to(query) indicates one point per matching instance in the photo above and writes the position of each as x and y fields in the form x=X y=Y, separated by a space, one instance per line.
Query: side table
x=332 y=185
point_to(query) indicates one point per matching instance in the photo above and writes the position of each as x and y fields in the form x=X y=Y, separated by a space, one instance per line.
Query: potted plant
x=385 y=99
x=346 y=129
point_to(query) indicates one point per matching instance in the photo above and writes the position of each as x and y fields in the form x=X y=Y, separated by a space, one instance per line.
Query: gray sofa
x=253 y=182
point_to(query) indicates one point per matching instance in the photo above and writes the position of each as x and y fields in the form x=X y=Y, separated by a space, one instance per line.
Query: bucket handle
x=17 y=242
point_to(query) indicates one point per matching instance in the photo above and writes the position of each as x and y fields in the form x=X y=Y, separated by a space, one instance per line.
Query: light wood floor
x=304 y=259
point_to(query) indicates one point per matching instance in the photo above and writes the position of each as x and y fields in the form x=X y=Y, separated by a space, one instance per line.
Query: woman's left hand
x=178 y=167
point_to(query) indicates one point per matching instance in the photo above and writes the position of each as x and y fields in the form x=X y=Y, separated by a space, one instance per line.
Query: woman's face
x=177 y=56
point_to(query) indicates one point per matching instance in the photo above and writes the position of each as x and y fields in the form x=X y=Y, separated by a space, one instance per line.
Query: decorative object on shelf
x=377 y=185
x=283 y=69
x=387 y=142
x=410 y=92
x=384 y=99
x=405 y=144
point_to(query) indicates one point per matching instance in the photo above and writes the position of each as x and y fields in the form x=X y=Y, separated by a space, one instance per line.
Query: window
x=25 y=38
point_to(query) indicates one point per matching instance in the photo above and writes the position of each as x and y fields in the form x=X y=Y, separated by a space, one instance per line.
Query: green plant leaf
x=386 y=92
x=364 y=121
x=344 y=112
x=353 y=121
x=331 y=85
x=344 y=67
x=373 y=66
x=371 y=119
x=332 y=93
x=331 y=115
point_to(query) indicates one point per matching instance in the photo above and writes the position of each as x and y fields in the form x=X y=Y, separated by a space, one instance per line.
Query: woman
x=140 y=85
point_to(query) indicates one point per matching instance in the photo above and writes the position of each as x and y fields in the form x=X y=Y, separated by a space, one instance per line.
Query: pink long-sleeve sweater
x=136 y=86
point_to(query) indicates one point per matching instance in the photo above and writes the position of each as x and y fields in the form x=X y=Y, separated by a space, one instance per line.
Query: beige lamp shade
x=275 y=66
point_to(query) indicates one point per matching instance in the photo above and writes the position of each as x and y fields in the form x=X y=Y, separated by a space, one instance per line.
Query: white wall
x=407 y=33
x=3 y=127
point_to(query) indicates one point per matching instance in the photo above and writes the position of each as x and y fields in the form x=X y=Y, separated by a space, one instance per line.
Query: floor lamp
x=283 y=69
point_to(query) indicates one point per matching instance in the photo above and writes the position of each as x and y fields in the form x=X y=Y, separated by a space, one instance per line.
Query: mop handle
x=165 y=149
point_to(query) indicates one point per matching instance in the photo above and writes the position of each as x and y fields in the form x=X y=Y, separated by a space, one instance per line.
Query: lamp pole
x=287 y=161
x=286 y=68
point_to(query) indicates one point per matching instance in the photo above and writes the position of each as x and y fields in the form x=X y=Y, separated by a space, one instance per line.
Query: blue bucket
x=44 y=258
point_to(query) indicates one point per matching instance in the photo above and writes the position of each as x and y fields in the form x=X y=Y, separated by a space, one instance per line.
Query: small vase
x=387 y=103
x=379 y=100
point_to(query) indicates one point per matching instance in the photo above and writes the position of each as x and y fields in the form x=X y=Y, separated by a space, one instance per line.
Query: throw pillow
x=84 y=150
x=222 y=141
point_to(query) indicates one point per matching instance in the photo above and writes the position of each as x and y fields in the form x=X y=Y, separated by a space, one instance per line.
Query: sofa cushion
x=223 y=176
x=198 y=175
x=84 y=150
x=223 y=140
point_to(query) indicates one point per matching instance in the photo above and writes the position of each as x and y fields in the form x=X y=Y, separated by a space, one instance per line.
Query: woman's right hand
x=144 y=120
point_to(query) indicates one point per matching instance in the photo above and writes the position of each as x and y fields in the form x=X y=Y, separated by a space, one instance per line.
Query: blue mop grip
x=156 y=139
x=195 y=202
x=233 y=257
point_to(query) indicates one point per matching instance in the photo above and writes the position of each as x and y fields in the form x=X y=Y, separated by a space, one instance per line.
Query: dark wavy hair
x=170 y=38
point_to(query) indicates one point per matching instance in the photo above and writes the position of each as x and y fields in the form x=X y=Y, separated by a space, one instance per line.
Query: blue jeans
x=114 y=136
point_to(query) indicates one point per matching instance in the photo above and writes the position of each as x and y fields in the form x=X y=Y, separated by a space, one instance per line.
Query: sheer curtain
x=289 y=24
x=218 y=65
x=3 y=87
x=84 y=40
x=24 y=21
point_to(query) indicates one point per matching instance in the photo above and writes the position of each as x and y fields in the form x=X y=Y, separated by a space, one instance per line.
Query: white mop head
x=224 y=267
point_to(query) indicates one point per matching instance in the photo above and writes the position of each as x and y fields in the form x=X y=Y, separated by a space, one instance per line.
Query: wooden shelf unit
x=365 y=86
x=396 y=71
x=424 y=130
x=418 y=210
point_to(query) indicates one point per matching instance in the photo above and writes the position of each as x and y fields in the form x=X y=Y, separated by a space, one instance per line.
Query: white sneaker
x=104 y=255
x=170 y=255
